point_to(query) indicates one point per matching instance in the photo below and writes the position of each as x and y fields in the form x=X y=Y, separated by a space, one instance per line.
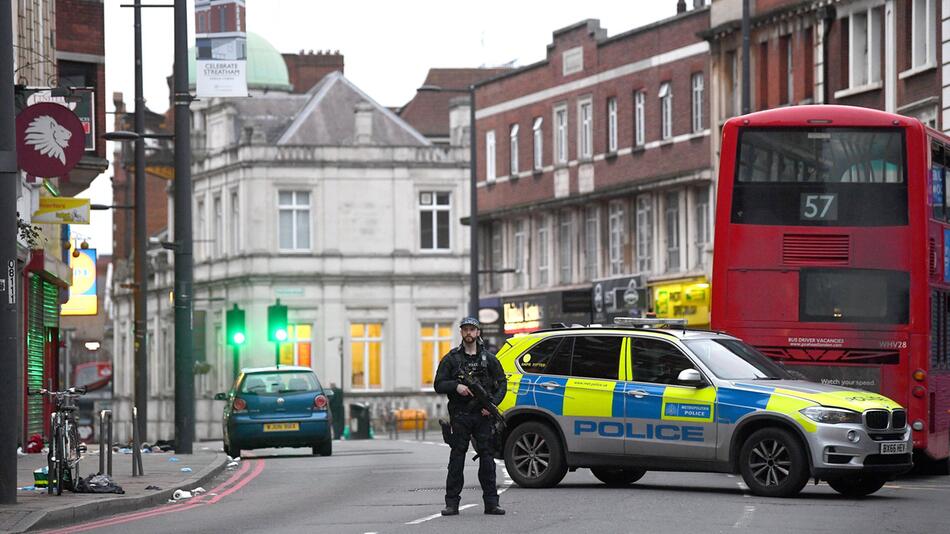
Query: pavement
x=37 y=509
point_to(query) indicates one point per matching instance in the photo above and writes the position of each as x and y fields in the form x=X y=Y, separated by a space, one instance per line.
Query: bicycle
x=65 y=449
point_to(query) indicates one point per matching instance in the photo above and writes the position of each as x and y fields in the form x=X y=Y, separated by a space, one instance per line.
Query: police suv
x=651 y=395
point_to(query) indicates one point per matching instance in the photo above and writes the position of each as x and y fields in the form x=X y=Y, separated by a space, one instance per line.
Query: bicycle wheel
x=60 y=458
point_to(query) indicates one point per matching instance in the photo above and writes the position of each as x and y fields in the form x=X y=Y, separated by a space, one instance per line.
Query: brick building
x=882 y=54
x=594 y=179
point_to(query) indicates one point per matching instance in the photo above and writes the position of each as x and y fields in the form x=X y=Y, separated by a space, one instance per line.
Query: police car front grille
x=899 y=419
x=890 y=436
x=876 y=419
x=887 y=459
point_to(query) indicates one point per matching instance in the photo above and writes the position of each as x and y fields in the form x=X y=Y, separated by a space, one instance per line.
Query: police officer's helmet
x=470 y=321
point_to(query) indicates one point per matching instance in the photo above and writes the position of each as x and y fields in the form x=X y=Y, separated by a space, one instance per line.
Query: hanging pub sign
x=50 y=140
x=79 y=100
x=221 y=48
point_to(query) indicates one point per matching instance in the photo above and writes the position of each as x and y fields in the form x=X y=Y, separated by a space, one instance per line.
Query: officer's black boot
x=494 y=510
x=451 y=509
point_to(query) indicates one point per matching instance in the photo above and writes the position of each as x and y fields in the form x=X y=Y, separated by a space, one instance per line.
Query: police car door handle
x=637 y=393
x=549 y=385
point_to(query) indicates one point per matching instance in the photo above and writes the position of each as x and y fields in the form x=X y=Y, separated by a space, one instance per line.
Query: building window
x=297 y=349
x=435 y=212
x=671 y=205
x=518 y=252
x=234 y=225
x=497 y=258
x=734 y=99
x=585 y=133
x=923 y=31
x=644 y=233
x=436 y=342
x=612 y=124
x=490 y=156
x=565 y=252
x=615 y=227
x=201 y=230
x=513 y=149
x=366 y=353
x=703 y=227
x=538 y=143
x=218 y=226
x=544 y=251
x=294 y=215
x=639 y=118
x=591 y=243
x=864 y=48
x=788 y=88
x=698 y=86
x=666 y=111
x=560 y=134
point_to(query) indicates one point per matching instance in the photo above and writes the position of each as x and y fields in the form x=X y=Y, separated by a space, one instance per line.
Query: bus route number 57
x=819 y=206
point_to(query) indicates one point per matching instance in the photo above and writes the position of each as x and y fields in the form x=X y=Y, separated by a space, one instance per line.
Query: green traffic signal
x=277 y=322
x=235 y=326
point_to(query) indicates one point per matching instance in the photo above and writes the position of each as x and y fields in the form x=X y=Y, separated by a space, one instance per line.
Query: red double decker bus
x=833 y=253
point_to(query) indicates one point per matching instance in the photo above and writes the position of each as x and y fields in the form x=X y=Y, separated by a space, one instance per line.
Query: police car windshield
x=731 y=359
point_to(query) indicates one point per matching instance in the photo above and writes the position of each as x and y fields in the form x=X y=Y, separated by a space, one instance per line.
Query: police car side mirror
x=329 y=393
x=690 y=377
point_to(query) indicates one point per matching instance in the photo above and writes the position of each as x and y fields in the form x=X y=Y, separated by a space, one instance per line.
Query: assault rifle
x=483 y=399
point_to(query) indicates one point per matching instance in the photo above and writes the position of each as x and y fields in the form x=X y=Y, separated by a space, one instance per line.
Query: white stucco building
x=331 y=203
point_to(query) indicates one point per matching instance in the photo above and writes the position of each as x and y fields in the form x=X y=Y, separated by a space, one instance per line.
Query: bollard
x=105 y=441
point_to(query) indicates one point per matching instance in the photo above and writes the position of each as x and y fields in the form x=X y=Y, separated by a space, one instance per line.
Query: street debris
x=98 y=484
x=181 y=494
x=186 y=470
x=173 y=459
x=153 y=488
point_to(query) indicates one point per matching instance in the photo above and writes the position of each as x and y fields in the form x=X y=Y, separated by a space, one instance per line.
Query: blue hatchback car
x=277 y=407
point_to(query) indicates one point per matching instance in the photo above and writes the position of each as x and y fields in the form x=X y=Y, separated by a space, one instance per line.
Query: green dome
x=266 y=69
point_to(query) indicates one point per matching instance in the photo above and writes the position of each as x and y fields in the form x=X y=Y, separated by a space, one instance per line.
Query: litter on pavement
x=173 y=459
x=98 y=484
x=181 y=494
x=186 y=470
x=152 y=487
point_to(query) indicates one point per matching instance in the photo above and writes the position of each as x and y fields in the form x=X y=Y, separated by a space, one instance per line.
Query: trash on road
x=186 y=470
x=152 y=487
x=19 y=451
x=173 y=459
x=98 y=484
x=181 y=494
x=28 y=488
x=198 y=491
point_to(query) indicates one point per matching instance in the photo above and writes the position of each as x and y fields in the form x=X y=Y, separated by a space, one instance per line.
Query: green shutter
x=35 y=344
x=50 y=305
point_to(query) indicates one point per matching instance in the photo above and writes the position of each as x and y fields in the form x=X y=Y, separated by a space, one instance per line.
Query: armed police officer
x=469 y=421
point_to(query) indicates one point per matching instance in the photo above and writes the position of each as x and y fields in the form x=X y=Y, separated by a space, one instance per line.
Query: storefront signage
x=79 y=100
x=522 y=317
x=50 y=140
x=619 y=297
x=82 y=293
x=62 y=210
x=683 y=299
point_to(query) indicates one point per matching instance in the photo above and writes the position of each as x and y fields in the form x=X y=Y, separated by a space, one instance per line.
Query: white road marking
x=435 y=516
x=746 y=517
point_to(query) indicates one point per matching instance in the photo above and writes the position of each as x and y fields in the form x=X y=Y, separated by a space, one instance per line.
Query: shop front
x=686 y=298
x=527 y=313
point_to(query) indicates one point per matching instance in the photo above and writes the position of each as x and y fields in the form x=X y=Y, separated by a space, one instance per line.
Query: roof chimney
x=680 y=6
x=364 y=123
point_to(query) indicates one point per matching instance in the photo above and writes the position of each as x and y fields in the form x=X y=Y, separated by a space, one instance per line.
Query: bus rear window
x=854 y=296
x=820 y=177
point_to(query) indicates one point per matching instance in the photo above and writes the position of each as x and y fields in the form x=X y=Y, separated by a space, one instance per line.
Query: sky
x=388 y=47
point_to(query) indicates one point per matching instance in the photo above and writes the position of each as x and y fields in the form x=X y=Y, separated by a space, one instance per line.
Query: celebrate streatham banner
x=221 y=48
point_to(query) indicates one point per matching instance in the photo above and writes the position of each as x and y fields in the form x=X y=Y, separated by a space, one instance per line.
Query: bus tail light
x=919 y=392
x=919 y=375
x=320 y=402
x=239 y=404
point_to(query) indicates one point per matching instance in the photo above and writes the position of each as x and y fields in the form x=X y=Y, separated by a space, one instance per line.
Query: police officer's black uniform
x=468 y=421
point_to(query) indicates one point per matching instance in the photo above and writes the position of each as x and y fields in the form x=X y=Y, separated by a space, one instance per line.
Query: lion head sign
x=49 y=140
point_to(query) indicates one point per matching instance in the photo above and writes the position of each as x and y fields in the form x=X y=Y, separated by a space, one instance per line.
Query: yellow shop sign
x=62 y=210
x=684 y=299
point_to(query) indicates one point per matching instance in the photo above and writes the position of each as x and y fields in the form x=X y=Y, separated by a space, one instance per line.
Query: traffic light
x=235 y=326
x=277 y=322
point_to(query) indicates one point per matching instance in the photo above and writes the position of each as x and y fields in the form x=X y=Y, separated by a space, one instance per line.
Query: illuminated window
x=436 y=342
x=297 y=349
x=366 y=352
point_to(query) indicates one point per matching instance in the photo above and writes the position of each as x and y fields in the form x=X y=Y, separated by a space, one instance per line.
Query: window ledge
x=666 y=142
x=537 y=172
x=286 y=252
x=638 y=149
x=851 y=91
x=930 y=65
x=610 y=155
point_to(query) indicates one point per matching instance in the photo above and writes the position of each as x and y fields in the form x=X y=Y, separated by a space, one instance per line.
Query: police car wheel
x=534 y=456
x=857 y=486
x=617 y=477
x=773 y=463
